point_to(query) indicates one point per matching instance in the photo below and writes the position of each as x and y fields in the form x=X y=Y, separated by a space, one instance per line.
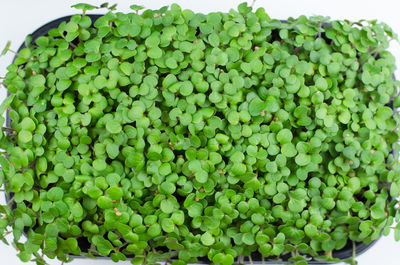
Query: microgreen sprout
x=179 y=136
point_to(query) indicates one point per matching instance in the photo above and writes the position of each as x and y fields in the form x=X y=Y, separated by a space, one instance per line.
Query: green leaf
x=173 y=244
x=178 y=217
x=25 y=53
x=37 y=81
x=213 y=39
x=284 y=136
x=195 y=209
x=167 y=187
x=99 y=164
x=28 y=124
x=256 y=106
x=25 y=256
x=55 y=194
x=289 y=150
x=104 y=202
x=71 y=27
x=112 y=150
x=126 y=68
x=104 y=247
x=302 y=159
x=51 y=230
x=154 y=230
x=167 y=225
x=201 y=176
x=83 y=6
x=167 y=206
x=24 y=136
x=344 y=117
x=6 y=104
x=138 y=260
x=186 y=89
x=164 y=169
x=155 y=53
x=94 y=192
x=295 y=205
x=321 y=84
x=6 y=48
x=113 y=126
x=136 y=7
x=311 y=230
x=377 y=211
x=271 y=104
x=248 y=239
x=207 y=239
x=115 y=193
x=77 y=210
x=397 y=232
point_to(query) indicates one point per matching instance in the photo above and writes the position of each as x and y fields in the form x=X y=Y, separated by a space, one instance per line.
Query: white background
x=21 y=17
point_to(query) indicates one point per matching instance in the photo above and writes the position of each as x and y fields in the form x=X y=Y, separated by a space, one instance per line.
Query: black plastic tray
x=343 y=254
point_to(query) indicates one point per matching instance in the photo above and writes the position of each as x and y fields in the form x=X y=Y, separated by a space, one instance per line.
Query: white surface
x=21 y=17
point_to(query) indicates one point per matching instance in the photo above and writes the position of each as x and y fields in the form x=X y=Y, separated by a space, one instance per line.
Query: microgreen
x=174 y=135
x=6 y=48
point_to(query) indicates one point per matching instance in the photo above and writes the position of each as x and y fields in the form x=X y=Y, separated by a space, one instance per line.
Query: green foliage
x=6 y=48
x=208 y=135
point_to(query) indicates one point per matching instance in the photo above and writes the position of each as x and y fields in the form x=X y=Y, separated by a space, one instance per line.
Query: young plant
x=179 y=136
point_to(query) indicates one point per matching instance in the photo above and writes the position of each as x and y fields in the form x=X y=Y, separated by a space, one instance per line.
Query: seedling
x=174 y=135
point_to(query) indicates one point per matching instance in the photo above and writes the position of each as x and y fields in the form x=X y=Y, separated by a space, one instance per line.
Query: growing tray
x=343 y=254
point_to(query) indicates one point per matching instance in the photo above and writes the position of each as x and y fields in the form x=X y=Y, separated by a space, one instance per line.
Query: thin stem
x=251 y=260
x=44 y=246
x=70 y=43
x=12 y=51
x=252 y=4
x=354 y=253
x=262 y=260
x=240 y=259
x=11 y=130
x=73 y=45
x=10 y=202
